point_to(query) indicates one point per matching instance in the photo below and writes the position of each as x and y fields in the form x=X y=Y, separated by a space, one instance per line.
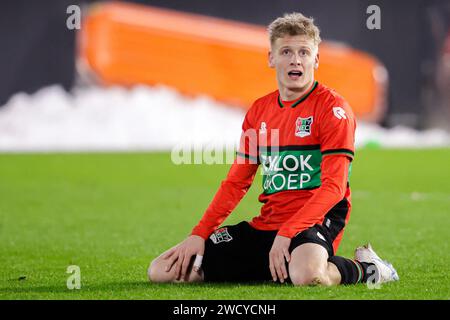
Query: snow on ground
x=400 y=137
x=147 y=118
x=114 y=118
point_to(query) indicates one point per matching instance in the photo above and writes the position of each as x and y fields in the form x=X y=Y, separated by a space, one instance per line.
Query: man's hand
x=279 y=252
x=181 y=255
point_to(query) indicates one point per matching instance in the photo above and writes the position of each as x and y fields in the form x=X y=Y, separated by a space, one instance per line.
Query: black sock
x=352 y=271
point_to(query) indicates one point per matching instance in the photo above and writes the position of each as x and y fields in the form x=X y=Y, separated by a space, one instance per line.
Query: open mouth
x=294 y=75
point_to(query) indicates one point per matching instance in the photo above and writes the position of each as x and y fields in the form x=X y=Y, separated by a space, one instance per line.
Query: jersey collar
x=299 y=100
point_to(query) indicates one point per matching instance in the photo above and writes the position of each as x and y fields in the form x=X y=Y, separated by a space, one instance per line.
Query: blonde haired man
x=306 y=193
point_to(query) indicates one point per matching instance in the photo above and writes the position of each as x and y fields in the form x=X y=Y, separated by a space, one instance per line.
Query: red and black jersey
x=304 y=148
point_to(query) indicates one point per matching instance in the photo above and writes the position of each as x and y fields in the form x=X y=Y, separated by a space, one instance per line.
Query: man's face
x=294 y=59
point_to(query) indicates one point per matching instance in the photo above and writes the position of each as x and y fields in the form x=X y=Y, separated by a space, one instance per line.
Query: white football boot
x=386 y=272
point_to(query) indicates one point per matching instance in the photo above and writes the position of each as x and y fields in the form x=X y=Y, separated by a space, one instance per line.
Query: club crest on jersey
x=303 y=127
x=221 y=235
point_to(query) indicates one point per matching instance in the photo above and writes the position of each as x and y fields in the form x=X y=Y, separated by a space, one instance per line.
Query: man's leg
x=313 y=262
x=352 y=271
x=234 y=253
x=309 y=266
x=157 y=272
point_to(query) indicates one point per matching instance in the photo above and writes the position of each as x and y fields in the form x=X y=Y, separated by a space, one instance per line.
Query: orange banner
x=128 y=44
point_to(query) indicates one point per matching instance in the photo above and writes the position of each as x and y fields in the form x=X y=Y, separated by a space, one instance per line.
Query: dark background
x=38 y=50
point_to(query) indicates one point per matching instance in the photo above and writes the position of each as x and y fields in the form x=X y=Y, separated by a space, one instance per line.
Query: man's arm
x=332 y=190
x=337 y=137
x=231 y=191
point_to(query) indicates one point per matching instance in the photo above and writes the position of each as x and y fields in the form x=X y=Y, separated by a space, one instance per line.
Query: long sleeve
x=332 y=190
x=230 y=193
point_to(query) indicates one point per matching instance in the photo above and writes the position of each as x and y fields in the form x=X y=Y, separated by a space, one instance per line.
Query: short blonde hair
x=294 y=24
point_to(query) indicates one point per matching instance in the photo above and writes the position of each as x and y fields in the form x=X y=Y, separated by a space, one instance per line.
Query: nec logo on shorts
x=220 y=235
x=303 y=127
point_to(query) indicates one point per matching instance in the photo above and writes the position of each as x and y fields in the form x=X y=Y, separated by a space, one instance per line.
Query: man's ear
x=316 y=65
x=270 y=59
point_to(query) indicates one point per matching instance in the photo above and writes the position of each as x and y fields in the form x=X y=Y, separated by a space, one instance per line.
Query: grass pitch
x=110 y=214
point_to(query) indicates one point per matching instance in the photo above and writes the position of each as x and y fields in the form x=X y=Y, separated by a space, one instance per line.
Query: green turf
x=110 y=214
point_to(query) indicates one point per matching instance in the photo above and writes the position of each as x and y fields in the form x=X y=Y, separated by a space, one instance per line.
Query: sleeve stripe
x=339 y=151
x=351 y=156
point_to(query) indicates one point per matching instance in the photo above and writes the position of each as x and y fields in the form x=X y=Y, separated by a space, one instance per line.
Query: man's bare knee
x=308 y=266
x=157 y=273
x=309 y=278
